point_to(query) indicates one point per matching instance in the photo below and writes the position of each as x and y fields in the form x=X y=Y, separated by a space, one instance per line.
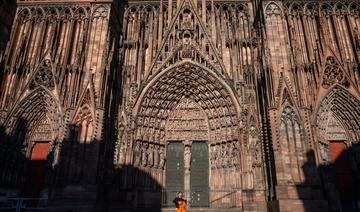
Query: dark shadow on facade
x=132 y=189
x=7 y=14
x=71 y=178
x=13 y=162
x=339 y=182
x=81 y=181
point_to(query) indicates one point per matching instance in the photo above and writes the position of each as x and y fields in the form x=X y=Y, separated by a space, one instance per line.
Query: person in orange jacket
x=180 y=203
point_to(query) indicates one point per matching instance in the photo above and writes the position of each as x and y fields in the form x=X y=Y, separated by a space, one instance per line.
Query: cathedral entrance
x=338 y=148
x=187 y=168
x=187 y=171
x=35 y=178
x=190 y=113
x=340 y=158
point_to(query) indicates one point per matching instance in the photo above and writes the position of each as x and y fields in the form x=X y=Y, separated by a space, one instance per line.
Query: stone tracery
x=333 y=74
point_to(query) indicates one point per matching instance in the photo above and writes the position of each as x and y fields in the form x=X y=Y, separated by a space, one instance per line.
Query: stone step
x=174 y=210
x=204 y=209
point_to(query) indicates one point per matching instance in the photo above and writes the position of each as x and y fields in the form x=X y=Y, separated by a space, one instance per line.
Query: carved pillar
x=161 y=18
x=195 y=4
x=170 y=12
x=213 y=25
x=203 y=11
x=187 y=168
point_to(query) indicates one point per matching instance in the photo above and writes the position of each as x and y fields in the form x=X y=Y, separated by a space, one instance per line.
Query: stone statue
x=324 y=153
x=150 y=155
x=229 y=158
x=156 y=156
x=224 y=156
x=162 y=157
x=144 y=155
x=137 y=153
x=187 y=157
x=237 y=154
x=213 y=156
x=257 y=156
x=116 y=153
x=218 y=157
x=122 y=152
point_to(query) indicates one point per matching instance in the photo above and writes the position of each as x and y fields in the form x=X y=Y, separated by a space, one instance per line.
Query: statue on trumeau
x=187 y=157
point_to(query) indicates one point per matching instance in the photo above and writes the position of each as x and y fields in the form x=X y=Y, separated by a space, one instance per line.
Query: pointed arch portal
x=337 y=130
x=34 y=125
x=191 y=80
x=185 y=110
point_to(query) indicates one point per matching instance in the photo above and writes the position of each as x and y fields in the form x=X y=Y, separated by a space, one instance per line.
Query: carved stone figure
x=213 y=156
x=122 y=153
x=162 y=157
x=150 y=155
x=224 y=156
x=219 y=158
x=256 y=155
x=235 y=157
x=156 y=156
x=137 y=154
x=187 y=157
x=144 y=154
x=324 y=153
x=229 y=151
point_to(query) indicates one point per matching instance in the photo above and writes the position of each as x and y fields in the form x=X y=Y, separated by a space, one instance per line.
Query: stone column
x=187 y=170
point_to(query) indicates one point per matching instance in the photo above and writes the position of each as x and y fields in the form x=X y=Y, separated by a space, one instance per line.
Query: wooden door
x=343 y=172
x=36 y=170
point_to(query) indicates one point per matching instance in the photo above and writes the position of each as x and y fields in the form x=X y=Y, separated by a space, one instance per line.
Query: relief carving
x=225 y=155
x=187 y=122
x=149 y=155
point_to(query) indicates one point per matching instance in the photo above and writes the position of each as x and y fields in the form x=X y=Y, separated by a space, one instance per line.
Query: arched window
x=81 y=145
x=291 y=145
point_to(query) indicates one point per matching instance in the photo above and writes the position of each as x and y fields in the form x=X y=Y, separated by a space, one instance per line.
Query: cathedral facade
x=242 y=105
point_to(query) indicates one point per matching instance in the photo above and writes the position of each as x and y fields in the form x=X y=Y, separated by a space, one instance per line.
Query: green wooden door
x=174 y=171
x=199 y=177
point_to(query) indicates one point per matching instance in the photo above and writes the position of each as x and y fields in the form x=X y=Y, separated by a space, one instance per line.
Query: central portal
x=187 y=121
x=187 y=154
x=187 y=171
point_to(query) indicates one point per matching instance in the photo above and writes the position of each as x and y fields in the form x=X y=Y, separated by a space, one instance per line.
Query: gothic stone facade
x=246 y=105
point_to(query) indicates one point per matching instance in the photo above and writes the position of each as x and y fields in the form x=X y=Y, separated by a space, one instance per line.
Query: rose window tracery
x=333 y=73
x=43 y=77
